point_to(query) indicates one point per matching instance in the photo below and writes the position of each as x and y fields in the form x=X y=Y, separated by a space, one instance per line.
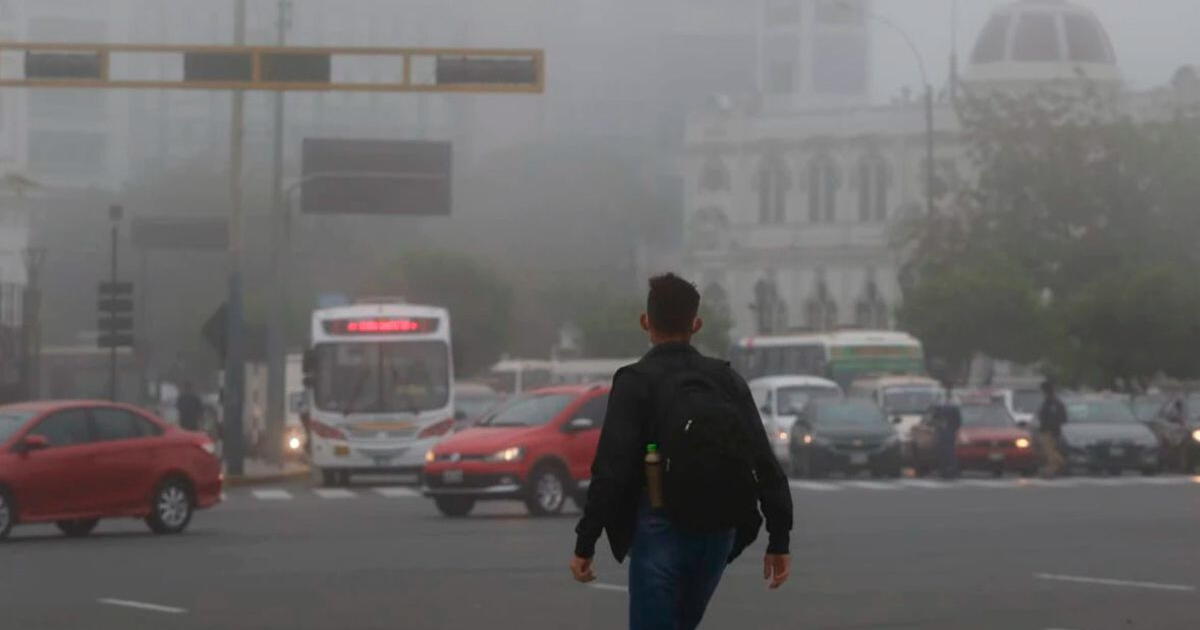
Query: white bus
x=842 y=356
x=380 y=386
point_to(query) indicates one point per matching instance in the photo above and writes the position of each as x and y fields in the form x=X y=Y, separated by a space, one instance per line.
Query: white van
x=904 y=399
x=780 y=399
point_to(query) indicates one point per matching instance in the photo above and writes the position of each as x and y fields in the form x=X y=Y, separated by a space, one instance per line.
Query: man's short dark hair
x=672 y=304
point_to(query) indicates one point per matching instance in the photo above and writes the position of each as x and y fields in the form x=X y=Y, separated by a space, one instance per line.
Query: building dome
x=1042 y=40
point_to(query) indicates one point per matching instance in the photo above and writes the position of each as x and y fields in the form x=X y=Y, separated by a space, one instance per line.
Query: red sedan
x=989 y=440
x=74 y=462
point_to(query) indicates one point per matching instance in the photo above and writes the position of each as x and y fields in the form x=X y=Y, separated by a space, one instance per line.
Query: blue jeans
x=672 y=574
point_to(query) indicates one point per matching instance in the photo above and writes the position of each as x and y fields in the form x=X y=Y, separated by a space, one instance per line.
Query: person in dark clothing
x=948 y=420
x=673 y=569
x=1052 y=415
x=190 y=408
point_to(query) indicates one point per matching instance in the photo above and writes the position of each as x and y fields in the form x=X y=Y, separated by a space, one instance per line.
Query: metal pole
x=929 y=174
x=234 y=365
x=278 y=306
x=112 y=276
x=144 y=335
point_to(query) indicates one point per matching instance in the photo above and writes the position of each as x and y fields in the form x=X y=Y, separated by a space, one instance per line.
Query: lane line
x=1111 y=582
x=927 y=484
x=397 y=493
x=171 y=610
x=871 y=485
x=272 y=495
x=334 y=493
x=814 y=485
x=609 y=587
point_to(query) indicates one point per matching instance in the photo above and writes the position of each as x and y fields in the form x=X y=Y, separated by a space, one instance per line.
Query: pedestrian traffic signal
x=115 y=322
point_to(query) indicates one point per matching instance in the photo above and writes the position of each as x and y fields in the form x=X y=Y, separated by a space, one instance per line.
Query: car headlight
x=511 y=454
x=1022 y=443
x=1196 y=435
x=429 y=456
x=783 y=436
x=294 y=443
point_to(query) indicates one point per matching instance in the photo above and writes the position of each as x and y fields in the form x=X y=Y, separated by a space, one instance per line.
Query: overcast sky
x=1152 y=38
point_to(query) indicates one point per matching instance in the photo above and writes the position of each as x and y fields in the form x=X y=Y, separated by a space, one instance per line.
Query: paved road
x=1076 y=554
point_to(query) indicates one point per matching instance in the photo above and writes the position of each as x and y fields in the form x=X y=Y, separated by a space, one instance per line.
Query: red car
x=989 y=440
x=537 y=447
x=73 y=463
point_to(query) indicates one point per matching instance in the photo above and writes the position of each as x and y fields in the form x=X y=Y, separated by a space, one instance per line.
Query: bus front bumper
x=371 y=456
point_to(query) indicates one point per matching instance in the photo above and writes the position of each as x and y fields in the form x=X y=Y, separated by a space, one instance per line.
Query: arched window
x=824 y=180
x=874 y=180
x=769 y=308
x=717 y=300
x=871 y=311
x=821 y=309
x=774 y=182
x=714 y=176
x=707 y=224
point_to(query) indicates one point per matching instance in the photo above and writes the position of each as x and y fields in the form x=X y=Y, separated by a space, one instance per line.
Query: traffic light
x=116 y=315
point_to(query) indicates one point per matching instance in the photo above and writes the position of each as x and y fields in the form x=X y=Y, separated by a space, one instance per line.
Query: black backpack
x=709 y=480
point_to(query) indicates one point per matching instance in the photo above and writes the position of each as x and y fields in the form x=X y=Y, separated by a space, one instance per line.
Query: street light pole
x=278 y=307
x=234 y=365
x=114 y=216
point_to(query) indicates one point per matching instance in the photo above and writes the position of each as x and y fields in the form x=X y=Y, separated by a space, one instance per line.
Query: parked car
x=537 y=448
x=472 y=402
x=988 y=440
x=1102 y=434
x=780 y=399
x=843 y=435
x=904 y=399
x=73 y=463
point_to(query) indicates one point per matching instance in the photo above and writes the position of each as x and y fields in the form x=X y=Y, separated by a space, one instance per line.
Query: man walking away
x=682 y=469
x=190 y=408
x=1052 y=415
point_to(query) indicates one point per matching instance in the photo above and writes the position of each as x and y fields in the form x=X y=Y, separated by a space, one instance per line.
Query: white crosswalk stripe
x=815 y=485
x=271 y=494
x=872 y=485
x=988 y=483
x=1047 y=483
x=334 y=493
x=1162 y=481
x=1101 y=481
x=928 y=484
x=397 y=493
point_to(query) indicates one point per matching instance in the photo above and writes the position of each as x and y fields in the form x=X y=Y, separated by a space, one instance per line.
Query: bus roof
x=773 y=382
x=837 y=338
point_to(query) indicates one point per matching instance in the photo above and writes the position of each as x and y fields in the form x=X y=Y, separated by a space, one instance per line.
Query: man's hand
x=776 y=569
x=581 y=569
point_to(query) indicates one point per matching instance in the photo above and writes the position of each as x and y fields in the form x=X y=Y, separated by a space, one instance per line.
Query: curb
x=242 y=480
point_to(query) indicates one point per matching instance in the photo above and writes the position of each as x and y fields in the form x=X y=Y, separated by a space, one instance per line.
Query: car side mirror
x=33 y=443
x=460 y=415
x=581 y=424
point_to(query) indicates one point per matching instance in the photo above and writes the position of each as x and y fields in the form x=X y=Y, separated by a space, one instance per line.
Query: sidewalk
x=256 y=471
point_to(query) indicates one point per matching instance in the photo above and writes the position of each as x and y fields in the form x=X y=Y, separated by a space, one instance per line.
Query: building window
x=1036 y=38
x=873 y=182
x=821 y=309
x=782 y=55
x=717 y=301
x=990 y=47
x=707 y=226
x=1086 y=41
x=782 y=12
x=823 y=183
x=769 y=308
x=774 y=182
x=714 y=176
x=871 y=311
x=840 y=12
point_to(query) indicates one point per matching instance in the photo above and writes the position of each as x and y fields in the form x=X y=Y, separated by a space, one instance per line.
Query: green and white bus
x=841 y=356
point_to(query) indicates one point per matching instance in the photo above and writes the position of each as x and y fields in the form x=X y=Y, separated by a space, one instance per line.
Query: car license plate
x=1116 y=451
x=382 y=461
x=341 y=451
x=858 y=459
x=996 y=456
x=452 y=477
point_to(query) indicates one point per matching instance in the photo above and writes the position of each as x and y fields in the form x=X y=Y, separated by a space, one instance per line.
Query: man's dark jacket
x=618 y=473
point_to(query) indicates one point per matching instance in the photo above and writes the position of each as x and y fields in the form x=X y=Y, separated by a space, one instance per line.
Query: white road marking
x=872 y=485
x=814 y=485
x=1101 y=481
x=334 y=493
x=925 y=483
x=171 y=610
x=272 y=495
x=988 y=483
x=1111 y=582
x=610 y=587
x=397 y=493
x=1161 y=481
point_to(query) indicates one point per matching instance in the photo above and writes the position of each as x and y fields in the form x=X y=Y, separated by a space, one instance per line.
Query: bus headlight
x=294 y=443
x=510 y=454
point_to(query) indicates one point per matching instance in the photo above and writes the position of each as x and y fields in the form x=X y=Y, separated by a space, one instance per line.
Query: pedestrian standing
x=947 y=418
x=190 y=408
x=682 y=470
x=1052 y=415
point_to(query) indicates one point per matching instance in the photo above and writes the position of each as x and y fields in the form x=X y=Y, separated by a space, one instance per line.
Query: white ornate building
x=791 y=207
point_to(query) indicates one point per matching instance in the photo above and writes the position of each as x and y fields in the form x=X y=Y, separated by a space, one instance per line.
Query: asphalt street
x=1076 y=554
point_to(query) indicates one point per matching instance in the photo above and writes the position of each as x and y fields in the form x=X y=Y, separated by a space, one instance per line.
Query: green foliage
x=479 y=300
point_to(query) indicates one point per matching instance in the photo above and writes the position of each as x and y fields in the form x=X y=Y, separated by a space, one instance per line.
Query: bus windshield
x=386 y=377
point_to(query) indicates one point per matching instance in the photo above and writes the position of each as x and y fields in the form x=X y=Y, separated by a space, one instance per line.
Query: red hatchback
x=73 y=463
x=537 y=447
x=989 y=440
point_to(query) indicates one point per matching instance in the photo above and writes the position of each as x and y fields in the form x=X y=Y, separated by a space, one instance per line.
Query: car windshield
x=473 y=406
x=529 y=410
x=392 y=377
x=1146 y=408
x=793 y=399
x=910 y=399
x=1100 y=412
x=1027 y=401
x=12 y=421
x=986 y=416
x=849 y=414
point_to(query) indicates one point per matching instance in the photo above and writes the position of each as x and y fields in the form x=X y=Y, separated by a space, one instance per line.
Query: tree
x=478 y=298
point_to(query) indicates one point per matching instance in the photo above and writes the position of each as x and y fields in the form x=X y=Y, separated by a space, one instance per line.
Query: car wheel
x=454 y=507
x=172 y=507
x=77 y=528
x=547 y=492
x=8 y=514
